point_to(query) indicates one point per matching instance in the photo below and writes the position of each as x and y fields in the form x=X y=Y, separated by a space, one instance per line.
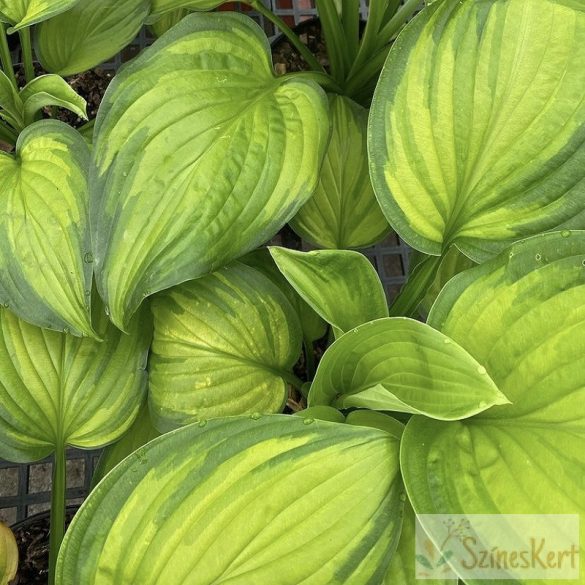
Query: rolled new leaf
x=88 y=34
x=45 y=249
x=340 y=285
x=343 y=213
x=202 y=154
x=522 y=315
x=397 y=364
x=224 y=344
x=477 y=127
x=58 y=390
x=10 y=103
x=243 y=501
x=50 y=90
x=24 y=13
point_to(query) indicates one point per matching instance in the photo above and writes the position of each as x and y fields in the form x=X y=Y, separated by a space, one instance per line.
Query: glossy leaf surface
x=340 y=285
x=477 y=129
x=23 y=13
x=522 y=315
x=398 y=364
x=256 y=502
x=45 y=258
x=57 y=390
x=224 y=344
x=202 y=155
x=343 y=213
x=88 y=34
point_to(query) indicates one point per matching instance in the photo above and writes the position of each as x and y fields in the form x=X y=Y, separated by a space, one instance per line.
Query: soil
x=287 y=59
x=32 y=537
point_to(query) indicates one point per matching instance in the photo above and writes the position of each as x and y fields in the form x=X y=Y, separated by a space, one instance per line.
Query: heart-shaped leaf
x=50 y=90
x=243 y=501
x=343 y=212
x=522 y=315
x=224 y=344
x=23 y=13
x=477 y=128
x=340 y=285
x=57 y=390
x=401 y=365
x=45 y=258
x=202 y=155
x=91 y=32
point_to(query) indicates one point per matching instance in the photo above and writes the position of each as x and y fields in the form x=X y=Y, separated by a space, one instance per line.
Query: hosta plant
x=141 y=310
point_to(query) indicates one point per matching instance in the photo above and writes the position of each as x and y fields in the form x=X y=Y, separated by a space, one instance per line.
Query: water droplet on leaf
x=202 y=423
x=481 y=370
x=565 y=233
x=538 y=257
x=88 y=258
x=255 y=416
x=309 y=421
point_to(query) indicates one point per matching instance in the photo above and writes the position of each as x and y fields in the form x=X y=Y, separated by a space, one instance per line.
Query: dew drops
x=309 y=421
x=446 y=341
x=5 y=305
x=511 y=255
x=483 y=405
x=66 y=330
x=202 y=423
x=481 y=370
x=565 y=233
x=538 y=257
x=88 y=258
x=107 y=311
x=583 y=263
x=255 y=416
x=87 y=293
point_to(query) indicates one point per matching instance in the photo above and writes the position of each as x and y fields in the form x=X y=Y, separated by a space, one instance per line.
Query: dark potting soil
x=286 y=57
x=32 y=537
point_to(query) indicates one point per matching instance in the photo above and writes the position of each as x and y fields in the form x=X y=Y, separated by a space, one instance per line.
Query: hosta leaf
x=452 y=263
x=57 y=390
x=202 y=154
x=398 y=364
x=10 y=102
x=402 y=570
x=340 y=285
x=91 y=32
x=477 y=129
x=223 y=344
x=243 y=501
x=522 y=315
x=162 y=7
x=45 y=258
x=166 y=21
x=50 y=90
x=141 y=432
x=343 y=212
x=375 y=420
x=8 y=555
x=314 y=327
x=321 y=413
x=23 y=13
